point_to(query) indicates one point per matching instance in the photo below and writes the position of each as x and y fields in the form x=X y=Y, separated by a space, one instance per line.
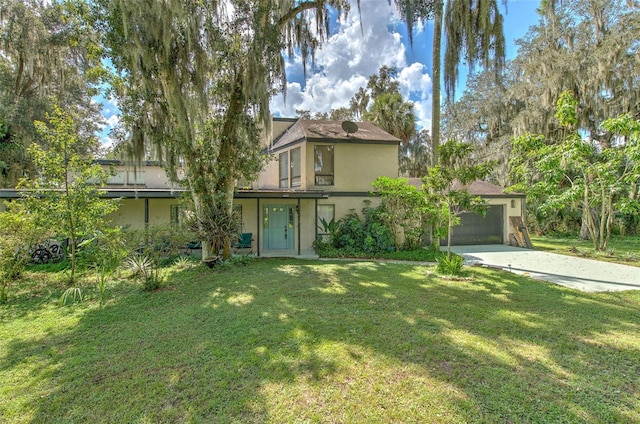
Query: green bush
x=17 y=234
x=350 y=232
x=146 y=270
x=451 y=265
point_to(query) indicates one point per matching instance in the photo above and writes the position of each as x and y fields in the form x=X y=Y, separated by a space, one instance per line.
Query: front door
x=278 y=227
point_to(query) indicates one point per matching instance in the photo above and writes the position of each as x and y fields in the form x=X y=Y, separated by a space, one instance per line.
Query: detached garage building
x=496 y=226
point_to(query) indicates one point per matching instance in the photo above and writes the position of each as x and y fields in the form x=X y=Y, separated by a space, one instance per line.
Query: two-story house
x=317 y=170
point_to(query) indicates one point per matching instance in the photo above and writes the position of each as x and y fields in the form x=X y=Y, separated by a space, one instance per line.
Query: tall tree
x=394 y=115
x=196 y=78
x=589 y=48
x=572 y=171
x=64 y=199
x=483 y=116
x=445 y=188
x=381 y=103
x=48 y=50
x=414 y=156
x=473 y=34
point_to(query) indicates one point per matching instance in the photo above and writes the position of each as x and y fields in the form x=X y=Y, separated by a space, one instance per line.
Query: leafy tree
x=415 y=155
x=47 y=50
x=403 y=208
x=577 y=171
x=64 y=198
x=196 y=79
x=445 y=188
x=18 y=235
x=483 y=116
x=391 y=113
x=473 y=33
x=588 y=48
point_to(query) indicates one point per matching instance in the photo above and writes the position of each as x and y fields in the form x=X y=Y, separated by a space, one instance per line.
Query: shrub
x=450 y=265
x=144 y=269
x=238 y=260
x=350 y=233
x=17 y=234
x=159 y=242
x=183 y=263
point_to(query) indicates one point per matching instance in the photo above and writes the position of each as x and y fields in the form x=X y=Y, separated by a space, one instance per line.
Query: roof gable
x=331 y=131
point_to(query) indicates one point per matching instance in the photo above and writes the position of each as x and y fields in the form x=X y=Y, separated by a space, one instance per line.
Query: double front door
x=278 y=226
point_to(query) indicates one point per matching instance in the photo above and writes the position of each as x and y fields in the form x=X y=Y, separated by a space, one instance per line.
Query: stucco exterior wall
x=131 y=212
x=249 y=219
x=356 y=166
x=147 y=176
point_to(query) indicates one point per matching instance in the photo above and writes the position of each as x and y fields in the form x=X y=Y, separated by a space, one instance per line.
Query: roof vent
x=349 y=127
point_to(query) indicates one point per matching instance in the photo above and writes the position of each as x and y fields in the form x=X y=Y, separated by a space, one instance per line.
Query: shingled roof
x=331 y=131
x=476 y=188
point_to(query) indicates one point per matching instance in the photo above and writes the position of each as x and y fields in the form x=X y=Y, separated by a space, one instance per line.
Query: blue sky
x=354 y=52
x=350 y=55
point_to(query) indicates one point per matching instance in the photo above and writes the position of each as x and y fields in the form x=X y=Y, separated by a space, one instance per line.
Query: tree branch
x=293 y=12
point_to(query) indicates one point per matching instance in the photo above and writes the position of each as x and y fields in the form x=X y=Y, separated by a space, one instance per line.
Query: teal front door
x=278 y=227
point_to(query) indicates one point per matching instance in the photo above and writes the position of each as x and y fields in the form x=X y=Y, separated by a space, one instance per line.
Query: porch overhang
x=281 y=194
x=112 y=193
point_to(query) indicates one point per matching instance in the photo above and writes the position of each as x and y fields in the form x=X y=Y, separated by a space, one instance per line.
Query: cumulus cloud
x=111 y=113
x=348 y=58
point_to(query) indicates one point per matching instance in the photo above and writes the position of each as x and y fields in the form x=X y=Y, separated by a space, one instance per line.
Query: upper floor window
x=135 y=177
x=323 y=164
x=117 y=178
x=284 y=169
x=296 y=170
x=290 y=168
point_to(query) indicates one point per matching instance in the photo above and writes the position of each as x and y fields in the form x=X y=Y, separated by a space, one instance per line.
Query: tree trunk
x=584 y=228
x=449 y=232
x=587 y=218
x=436 y=64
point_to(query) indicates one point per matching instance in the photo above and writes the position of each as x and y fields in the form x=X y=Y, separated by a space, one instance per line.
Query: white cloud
x=348 y=58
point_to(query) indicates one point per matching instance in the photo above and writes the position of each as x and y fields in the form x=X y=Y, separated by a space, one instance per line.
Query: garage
x=476 y=229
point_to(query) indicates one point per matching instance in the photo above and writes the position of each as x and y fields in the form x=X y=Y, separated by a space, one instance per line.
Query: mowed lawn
x=625 y=250
x=330 y=342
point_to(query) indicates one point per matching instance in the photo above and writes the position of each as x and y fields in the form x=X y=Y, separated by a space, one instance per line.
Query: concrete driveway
x=582 y=274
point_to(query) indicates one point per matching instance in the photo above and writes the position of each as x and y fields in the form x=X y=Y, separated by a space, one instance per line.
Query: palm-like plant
x=473 y=33
x=394 y=115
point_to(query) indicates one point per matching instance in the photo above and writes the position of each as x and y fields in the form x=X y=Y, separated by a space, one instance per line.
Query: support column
x=258 y=228
x=299 y=236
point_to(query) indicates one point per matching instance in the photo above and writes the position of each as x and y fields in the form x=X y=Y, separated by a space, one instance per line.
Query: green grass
x=415 y=255
x=621 y=250
x=321 y=341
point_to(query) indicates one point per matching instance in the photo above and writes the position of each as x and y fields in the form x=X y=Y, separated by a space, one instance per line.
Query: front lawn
x=321 y=341
x=621 y=250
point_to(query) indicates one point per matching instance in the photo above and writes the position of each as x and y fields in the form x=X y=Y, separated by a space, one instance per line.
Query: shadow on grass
x=336 y=341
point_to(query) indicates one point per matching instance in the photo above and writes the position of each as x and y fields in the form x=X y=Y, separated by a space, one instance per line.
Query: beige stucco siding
x=131 y=212
x=160 y=210
x=249 y=218
x=355 y=165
